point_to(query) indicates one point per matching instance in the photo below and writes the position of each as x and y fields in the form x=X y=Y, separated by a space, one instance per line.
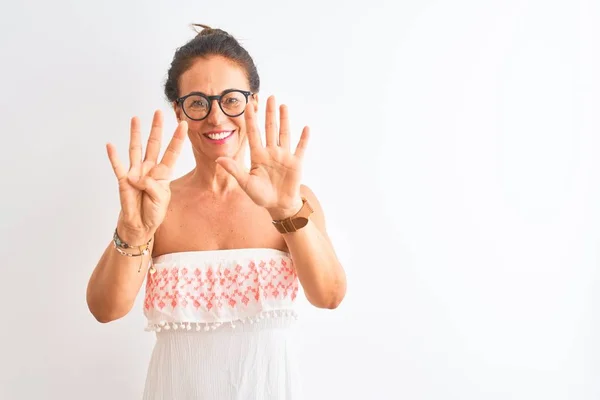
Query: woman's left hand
x=274 y=179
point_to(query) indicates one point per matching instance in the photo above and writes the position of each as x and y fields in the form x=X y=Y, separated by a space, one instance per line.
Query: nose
x=216 y=115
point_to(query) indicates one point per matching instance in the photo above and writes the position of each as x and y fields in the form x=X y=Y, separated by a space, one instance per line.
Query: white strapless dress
x=224 y=326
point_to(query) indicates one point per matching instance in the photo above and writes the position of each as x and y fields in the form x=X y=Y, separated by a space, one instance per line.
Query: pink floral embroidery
x=221 y=287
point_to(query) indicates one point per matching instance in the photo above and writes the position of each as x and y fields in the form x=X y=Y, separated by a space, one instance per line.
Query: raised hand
x=274 y=179
x=144 y=187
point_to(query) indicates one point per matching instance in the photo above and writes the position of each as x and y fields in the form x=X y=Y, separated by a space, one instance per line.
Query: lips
x=218 y=135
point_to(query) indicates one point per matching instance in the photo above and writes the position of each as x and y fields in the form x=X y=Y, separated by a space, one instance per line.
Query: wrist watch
x=296 y=221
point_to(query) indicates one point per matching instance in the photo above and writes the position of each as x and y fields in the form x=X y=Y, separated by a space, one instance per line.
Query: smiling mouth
x=219 y=136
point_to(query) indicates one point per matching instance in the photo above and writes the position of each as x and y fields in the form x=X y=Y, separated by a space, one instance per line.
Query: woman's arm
x=116 y=280
x=320 y=273
x=144 y=193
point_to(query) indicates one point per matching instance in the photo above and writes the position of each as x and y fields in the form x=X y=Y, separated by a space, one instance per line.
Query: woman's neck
x=208 y=175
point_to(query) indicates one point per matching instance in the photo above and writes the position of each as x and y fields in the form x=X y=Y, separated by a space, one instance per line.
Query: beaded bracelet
x=120 y=245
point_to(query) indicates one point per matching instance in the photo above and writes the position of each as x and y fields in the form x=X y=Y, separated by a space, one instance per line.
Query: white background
x=454 y=149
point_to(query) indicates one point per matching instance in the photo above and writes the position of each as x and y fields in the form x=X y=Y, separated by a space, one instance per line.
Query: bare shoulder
x=318 y=216
x=179 y=183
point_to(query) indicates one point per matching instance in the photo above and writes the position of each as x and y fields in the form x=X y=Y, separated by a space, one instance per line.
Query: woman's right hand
x=144 y=189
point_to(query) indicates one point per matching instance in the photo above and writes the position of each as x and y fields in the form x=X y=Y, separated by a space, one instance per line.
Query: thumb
x=153 y=188
x=233 y=169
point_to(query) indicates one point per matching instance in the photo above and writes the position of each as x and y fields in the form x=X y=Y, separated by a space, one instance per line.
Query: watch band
x=296 y=221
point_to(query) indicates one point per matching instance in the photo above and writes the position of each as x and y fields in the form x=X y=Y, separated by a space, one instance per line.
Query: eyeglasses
x=197 y=106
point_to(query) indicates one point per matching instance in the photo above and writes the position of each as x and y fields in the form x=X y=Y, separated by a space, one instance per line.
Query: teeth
x=219 y=136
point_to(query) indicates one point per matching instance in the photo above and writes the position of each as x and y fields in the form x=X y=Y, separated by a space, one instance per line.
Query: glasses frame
x=180 y=101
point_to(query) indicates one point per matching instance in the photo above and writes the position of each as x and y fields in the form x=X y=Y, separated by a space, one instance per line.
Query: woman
x=223 y=249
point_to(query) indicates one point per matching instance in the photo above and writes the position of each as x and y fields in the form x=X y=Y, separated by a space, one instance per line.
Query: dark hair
x=209 y=42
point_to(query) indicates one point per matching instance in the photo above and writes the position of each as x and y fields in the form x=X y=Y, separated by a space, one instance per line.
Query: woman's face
x=218 y=134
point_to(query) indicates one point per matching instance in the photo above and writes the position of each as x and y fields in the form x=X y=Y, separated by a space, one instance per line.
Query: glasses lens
x=196 y=107
x=233 y=103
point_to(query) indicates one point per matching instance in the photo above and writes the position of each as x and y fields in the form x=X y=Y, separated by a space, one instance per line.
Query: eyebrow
x=223 y=91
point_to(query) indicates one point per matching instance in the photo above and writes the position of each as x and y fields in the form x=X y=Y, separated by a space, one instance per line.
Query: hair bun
x=207 y=30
